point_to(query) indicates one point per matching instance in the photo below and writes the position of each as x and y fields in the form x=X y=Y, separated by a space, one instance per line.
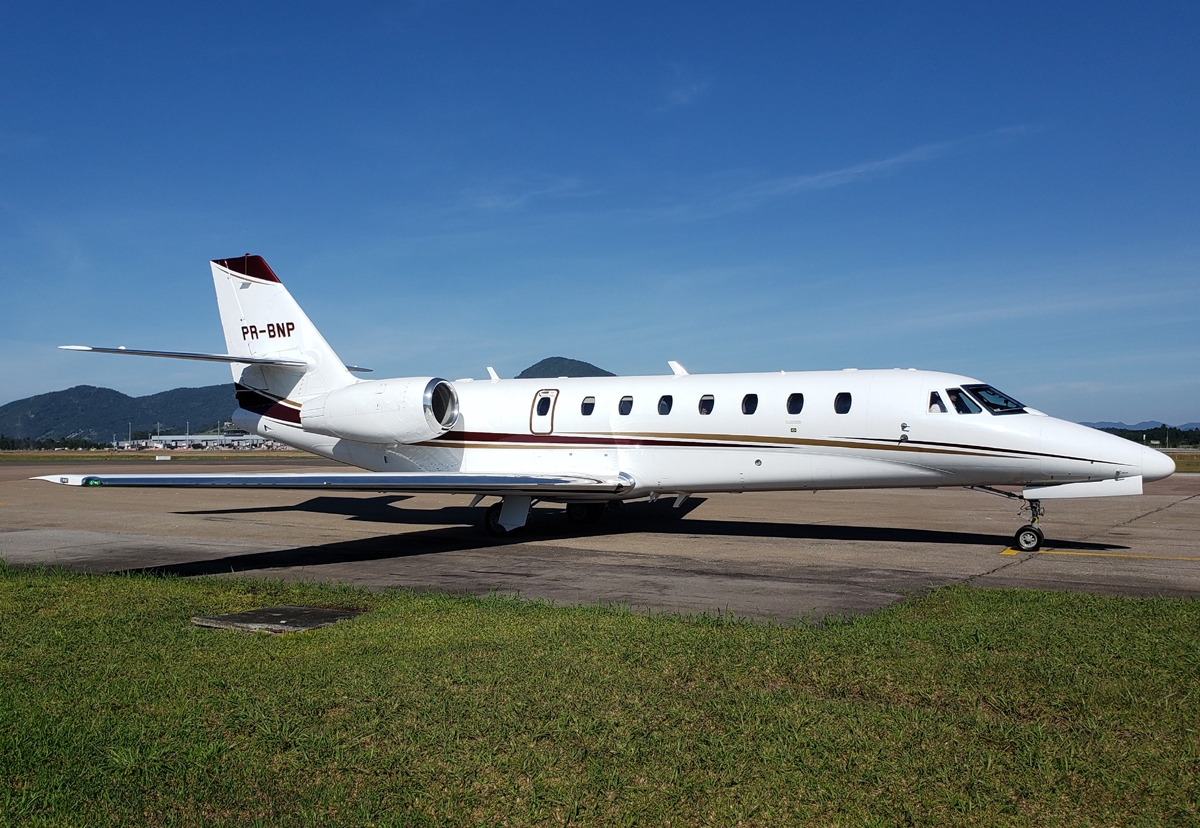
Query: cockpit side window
x=995 y=401
x=936 y=406
x=962 y=403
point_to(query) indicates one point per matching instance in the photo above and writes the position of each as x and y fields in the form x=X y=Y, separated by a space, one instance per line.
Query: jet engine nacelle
x=406 y=410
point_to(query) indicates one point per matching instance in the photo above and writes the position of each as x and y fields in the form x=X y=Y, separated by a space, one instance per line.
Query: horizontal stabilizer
x=1091 y=488
x=249 y=360
x=416 y=482
x=244 y=360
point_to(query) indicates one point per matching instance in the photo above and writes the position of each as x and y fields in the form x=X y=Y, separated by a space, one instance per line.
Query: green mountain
x=92 y=413
x=554 y=367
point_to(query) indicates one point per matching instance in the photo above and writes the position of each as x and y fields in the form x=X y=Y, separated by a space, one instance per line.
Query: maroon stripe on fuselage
x=561 y=439
x=484 y=438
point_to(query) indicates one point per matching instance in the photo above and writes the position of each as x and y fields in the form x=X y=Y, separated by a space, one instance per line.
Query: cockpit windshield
x=995 y=401
x=962 y=403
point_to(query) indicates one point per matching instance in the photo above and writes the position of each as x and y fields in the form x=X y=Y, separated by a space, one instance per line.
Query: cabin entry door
x=541 y=414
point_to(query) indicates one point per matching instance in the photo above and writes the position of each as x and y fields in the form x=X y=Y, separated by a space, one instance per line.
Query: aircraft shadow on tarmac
x=544 y=524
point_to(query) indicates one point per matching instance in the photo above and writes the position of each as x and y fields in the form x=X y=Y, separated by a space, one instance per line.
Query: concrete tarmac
x=778 y=555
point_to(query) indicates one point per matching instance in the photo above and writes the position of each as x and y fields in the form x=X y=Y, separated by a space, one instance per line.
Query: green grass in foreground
x=966 y=707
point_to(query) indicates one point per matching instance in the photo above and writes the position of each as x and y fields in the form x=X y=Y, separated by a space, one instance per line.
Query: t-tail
x=289 y=362
x=278 y=358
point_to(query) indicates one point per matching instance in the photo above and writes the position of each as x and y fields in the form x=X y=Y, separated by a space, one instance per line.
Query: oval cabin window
x=706 y=404
x=589 y=405
x=664 y=404
x=749 y=403
x=625 y=406
x=841 y=403
x=795 y=403
x=543 y=406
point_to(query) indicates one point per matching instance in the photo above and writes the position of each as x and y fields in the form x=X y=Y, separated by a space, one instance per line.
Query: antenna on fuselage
x=678 y=369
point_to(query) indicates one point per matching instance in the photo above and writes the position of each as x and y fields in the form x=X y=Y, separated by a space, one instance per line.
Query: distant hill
x=1142 y=426
x=554 y=367
x=92 y=413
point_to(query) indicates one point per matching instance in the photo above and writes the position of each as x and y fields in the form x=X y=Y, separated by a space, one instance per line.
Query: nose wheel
x=1029 y=538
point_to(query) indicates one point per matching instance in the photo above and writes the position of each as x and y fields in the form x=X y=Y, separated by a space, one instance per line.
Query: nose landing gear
x=1029 y=538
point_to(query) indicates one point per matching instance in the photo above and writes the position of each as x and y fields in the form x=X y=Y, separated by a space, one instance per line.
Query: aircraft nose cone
x=1156 y=465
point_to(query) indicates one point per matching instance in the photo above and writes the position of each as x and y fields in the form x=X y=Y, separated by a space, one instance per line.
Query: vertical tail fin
x=261 y=319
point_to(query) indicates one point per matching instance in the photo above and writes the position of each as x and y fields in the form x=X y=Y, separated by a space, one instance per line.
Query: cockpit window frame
x=976 y=390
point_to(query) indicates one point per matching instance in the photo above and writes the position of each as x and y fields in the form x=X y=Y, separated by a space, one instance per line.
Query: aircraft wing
x=533 y=485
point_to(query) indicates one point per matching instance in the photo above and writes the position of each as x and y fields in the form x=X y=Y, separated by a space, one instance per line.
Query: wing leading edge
x=416 y=482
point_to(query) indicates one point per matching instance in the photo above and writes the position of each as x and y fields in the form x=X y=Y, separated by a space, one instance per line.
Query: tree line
x=1166 y=436
x=26 y=444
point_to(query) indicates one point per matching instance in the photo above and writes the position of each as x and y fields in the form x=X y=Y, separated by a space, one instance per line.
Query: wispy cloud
x=517 y=193
x=736 y=198
x=686 y=93
x=773 y=188
x=683 y=89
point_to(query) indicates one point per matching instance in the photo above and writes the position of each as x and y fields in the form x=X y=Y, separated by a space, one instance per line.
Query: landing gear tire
x=1029 y=539
x=585 y=512
x=491 y=521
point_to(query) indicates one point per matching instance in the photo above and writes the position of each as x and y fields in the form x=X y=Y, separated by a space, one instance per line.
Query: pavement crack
x=1020 y=559
x=1136 y=518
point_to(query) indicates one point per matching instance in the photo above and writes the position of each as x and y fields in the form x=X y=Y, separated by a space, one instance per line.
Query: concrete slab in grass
x=277 y=619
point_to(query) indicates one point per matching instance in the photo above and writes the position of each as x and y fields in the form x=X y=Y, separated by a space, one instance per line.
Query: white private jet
x=588 y=441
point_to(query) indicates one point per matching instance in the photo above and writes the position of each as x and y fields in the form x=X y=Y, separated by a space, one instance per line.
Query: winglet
x=492 y=373
x=679 y=370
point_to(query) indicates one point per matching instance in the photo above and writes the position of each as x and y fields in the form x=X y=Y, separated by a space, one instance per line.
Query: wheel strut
x=1028 y=538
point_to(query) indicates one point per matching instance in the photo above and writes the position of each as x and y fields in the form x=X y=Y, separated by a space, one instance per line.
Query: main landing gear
x=507 y=516
x=584 y=513
x=510 y=514
x=1029 y=538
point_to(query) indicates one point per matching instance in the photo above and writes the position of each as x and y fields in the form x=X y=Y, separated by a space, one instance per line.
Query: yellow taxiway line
x=1011 y=551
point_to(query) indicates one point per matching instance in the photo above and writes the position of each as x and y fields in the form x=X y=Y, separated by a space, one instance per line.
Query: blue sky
x=1006 y=190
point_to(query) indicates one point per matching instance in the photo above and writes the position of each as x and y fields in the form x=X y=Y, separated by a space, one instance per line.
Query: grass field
x=962 y=707
x=1186 y=461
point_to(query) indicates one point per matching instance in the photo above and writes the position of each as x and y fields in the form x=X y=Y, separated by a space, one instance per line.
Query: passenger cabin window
x=936 y=406
x=962 y=403
x=543 y=406
x=749 y=403
x=841 y=403
x=795 y=403
x=706 y=404
x=664 y=404
x=625 y=406
x=589 y=405
x=995 y=401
